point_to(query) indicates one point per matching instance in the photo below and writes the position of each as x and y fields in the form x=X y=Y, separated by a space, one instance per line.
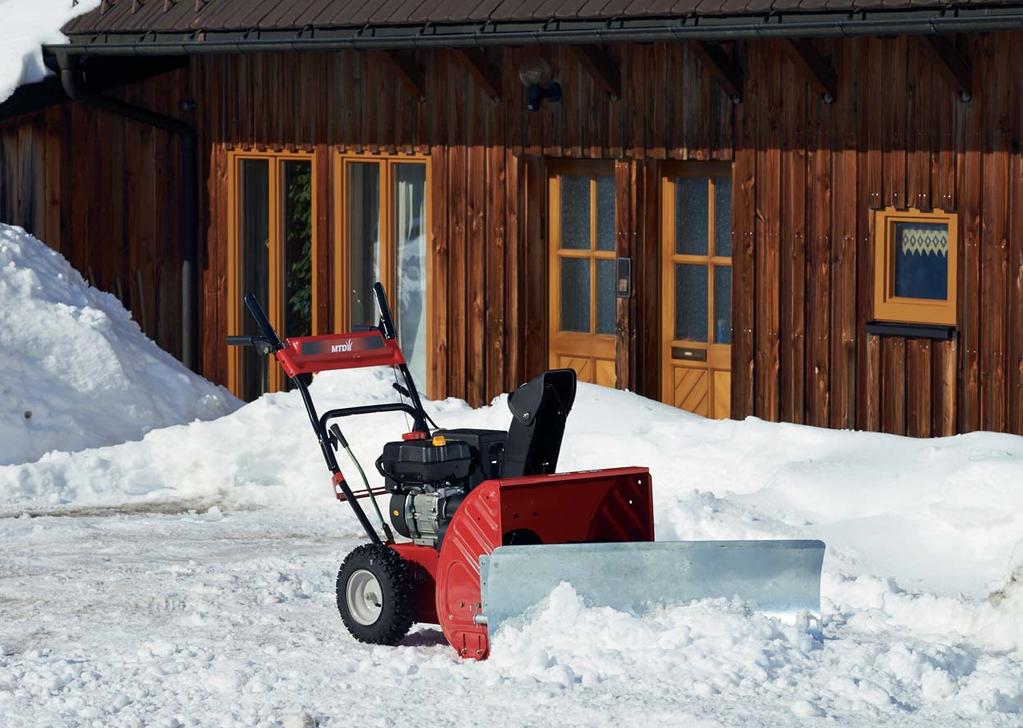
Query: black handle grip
x=386 y=322
x=241 y=340
x=252 y=303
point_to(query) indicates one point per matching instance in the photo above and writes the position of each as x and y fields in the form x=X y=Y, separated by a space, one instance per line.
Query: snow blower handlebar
x=369 y=346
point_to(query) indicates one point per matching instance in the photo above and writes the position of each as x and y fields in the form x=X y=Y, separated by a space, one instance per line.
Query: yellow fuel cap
x=439 y=440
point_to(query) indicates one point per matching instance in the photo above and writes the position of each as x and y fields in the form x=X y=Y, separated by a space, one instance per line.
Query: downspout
x=189 y=243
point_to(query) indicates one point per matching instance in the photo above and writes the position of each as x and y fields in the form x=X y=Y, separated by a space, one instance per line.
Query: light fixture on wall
x=536 y=74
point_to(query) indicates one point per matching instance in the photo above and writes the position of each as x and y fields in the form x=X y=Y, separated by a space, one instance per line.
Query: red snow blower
x=491 y=529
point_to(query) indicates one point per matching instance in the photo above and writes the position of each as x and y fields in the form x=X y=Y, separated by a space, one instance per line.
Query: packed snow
x=27 y=26
x=75 y=370
x=188 y=579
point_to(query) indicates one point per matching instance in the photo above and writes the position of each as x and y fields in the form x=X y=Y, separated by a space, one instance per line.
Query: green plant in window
x=298 y=241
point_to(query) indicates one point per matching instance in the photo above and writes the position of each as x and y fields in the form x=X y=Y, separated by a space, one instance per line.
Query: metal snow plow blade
x=775 y=576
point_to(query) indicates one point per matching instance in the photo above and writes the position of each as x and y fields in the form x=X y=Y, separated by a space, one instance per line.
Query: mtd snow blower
x=490 y=528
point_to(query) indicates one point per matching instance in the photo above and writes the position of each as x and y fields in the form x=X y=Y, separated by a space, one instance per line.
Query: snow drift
x=945 y=515
x=75 y=369
x=27 y=25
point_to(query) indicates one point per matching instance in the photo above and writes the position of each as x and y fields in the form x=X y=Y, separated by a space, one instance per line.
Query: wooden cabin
x=803 y=211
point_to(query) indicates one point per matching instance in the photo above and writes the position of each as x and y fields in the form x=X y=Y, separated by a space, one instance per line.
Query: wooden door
x=696 y=263
x=582 y=270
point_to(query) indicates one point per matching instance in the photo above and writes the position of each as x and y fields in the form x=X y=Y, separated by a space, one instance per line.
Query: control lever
x=336 y=438
x=402 y=391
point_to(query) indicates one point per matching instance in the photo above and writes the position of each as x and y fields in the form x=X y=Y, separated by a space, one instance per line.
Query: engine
x=428 y=477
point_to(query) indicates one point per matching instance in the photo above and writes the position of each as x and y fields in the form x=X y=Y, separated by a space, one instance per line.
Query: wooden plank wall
x=895 y=136
x=807 y=177
x=105 y=192
x=488 y=246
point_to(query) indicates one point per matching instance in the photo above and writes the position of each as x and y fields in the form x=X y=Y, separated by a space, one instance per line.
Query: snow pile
x=75 y=370
x=944 y=515
x=28 y=25
x=857 y=666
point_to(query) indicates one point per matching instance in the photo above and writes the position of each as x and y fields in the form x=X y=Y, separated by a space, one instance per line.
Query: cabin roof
x=221 y=25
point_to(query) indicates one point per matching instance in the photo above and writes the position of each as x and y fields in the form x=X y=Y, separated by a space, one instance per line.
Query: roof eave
x=616 y=30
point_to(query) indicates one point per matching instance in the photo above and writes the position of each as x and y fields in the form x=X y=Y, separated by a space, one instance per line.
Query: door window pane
x=723 y=216
x=690 y=302
x=575 y=212
x=363 y=240
x=410 y=254
x=606 y=314
x=921 y=260
x=606 y=213
x=723 y=304
x=575 y=294
x=297 y=236
x=691 y=211
x=255 y=264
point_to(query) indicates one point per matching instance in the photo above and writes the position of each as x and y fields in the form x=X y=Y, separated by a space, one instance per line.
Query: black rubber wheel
x=375 y=595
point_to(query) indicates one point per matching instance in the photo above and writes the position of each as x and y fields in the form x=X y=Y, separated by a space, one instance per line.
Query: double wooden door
x=695 y=257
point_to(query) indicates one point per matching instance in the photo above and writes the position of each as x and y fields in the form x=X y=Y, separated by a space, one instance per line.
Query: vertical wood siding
x=807 y=176
x=104 y=191
x=896 y=135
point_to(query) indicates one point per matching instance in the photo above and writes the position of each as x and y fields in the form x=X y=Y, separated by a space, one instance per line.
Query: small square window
x=915 y=267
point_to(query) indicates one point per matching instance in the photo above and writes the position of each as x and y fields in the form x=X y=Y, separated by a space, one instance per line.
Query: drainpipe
x=189 y=243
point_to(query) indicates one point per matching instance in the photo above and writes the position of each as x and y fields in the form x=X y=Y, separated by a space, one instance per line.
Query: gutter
x=72 y=83
x=614 y=30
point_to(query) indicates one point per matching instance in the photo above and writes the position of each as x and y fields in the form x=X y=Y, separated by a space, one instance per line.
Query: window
x=382 y=232
x=915 y=267
x=271 y=256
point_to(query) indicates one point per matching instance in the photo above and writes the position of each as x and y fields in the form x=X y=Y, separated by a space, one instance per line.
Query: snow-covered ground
x=27 y=25
x=75 y=370
x=187 y=579
x=186 y=575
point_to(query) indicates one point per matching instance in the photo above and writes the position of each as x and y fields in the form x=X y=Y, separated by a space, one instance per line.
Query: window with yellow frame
x=382 y=204
x=271 y=254
x=915 y=266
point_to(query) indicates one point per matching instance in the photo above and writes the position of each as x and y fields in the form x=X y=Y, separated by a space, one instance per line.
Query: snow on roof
x=28 y=25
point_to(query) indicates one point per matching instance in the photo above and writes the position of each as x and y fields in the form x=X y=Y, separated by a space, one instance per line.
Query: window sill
x=939 y=332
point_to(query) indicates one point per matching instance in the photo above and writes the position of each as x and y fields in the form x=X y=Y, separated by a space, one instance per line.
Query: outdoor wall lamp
x=535 y=74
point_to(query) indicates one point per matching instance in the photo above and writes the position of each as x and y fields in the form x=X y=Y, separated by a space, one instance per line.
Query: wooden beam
x=953 y=66
x=721 y=67
x=408 y=71
x=814 y=66
x=601 y=67
x=480 y=67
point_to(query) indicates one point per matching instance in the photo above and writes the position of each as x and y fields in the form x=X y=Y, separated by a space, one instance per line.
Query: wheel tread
x=395 y=580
